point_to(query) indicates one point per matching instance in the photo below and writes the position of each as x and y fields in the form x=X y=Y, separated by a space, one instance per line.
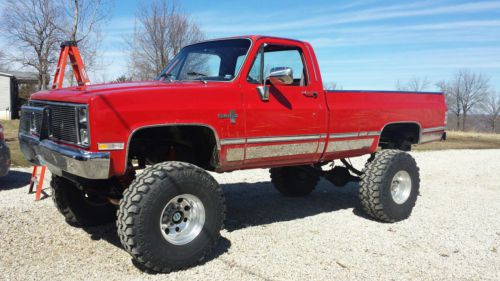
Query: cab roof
x=254 y=38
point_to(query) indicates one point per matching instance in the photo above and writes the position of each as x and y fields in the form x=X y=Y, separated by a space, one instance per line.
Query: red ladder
x=70 y=48
x=37 y=181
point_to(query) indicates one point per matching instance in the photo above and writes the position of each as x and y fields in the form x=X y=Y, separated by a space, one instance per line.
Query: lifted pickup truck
x=221 y=105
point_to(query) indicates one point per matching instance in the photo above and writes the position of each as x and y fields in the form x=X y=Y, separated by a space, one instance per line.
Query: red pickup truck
x=221 y=105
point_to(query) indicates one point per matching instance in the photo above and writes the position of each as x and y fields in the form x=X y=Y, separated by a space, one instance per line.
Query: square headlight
x=82 y=115
x=84 y=136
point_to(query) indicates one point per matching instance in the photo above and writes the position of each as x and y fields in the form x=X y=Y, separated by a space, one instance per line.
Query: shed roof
x=21 y=76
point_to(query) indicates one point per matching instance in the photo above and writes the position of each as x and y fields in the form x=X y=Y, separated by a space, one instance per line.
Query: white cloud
x=230 y=24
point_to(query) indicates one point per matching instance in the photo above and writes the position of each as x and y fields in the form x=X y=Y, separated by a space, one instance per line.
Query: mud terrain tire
x=78 y=208
x=150 y=204
x=389 y=186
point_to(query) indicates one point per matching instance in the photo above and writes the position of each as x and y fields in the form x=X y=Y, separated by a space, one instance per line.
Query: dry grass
x=456 y=140
x=10 y=130
x=464 y=140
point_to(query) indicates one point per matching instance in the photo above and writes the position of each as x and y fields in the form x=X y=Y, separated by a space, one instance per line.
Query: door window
x=278 y=57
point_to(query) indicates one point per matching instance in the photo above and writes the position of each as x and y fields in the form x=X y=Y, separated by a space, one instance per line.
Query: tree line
x=466 y=93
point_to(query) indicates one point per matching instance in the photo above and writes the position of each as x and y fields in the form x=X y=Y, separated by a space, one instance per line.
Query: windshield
x=208 y=61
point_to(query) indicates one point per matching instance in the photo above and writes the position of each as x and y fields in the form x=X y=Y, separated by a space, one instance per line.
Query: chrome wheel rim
x=401 y=187
x=182 y=219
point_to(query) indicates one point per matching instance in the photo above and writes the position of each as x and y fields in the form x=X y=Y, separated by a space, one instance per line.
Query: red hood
x=85 y=93
x=114 y=86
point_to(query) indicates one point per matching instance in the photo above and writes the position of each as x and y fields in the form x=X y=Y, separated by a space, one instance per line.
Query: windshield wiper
x=200 y=78
x=194 y=73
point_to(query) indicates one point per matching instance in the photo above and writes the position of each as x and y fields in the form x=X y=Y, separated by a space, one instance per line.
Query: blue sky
x=360 y=44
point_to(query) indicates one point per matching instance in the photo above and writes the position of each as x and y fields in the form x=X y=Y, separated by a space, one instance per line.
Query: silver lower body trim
x=232 y=141
x=59 y=158
x=281 y=150
x=277 y=150
x=235 y=154
x=347 y=145
x=316 y=144
x=428 y=137
x=284 y=138
x=432 y=134
x=272 y=139
x=354 y=134
x=265 y=150
x=433 y=129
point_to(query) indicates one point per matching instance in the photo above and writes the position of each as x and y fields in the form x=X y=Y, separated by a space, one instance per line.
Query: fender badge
x=231 y=116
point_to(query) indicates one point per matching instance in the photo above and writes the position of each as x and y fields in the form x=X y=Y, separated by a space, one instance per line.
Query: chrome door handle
x=310 y=94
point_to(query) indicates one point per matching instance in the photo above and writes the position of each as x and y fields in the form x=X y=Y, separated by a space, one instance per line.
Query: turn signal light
x=111 y=146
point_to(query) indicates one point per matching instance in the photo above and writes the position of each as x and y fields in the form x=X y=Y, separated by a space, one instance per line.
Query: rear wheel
x=293 y=181
x=78 y=207
x=389 y=186
x=171 y=216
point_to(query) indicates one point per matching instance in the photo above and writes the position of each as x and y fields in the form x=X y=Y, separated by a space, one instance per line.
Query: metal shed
x=9 y=91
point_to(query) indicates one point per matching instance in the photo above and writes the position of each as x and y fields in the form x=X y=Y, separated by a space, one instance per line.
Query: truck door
x=286 y=127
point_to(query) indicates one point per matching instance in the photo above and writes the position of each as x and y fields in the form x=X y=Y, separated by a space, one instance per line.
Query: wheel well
x=400 y=136
x=193 y=144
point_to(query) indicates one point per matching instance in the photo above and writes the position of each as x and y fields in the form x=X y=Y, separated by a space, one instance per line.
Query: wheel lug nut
x=177 y=229
x=185 y=219
x=167 y=230
x=179 y=200
x=186 y=208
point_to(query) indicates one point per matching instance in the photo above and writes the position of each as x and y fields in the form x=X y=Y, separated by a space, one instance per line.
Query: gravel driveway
x=453 y=233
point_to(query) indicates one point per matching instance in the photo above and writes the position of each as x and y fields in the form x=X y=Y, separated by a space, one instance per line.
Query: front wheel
x=389 y=186
x=78 y=207
x=171 y=216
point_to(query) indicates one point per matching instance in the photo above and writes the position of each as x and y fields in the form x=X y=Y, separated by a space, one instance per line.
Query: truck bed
x=350 y=111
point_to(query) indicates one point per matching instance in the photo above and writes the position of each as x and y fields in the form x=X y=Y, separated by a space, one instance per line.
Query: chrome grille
x=63 y=123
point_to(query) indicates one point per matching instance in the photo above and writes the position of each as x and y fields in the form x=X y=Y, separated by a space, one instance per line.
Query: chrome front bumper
x=60 y=158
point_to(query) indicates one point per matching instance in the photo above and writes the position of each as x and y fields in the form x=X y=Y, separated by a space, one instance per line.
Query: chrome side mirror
x=281 y=76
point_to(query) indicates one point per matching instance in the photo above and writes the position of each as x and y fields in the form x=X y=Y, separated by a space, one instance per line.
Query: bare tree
x=182 y=31
x=491 y=107
x=415 y=84
x=31 y=27
x=83 y=22
x=161 y=31
x=331 y=86
x=464 y=93
x=473 y=87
